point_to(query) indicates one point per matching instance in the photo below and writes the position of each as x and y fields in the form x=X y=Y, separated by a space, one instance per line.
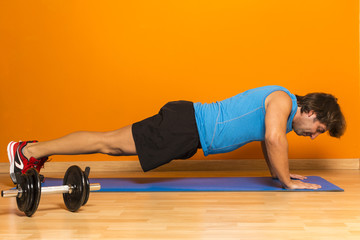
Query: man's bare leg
x=116 y=143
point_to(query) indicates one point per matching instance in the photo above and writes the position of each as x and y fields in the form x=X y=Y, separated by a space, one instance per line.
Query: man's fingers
x=296 y=184
x=313 y=186
x=297 y=176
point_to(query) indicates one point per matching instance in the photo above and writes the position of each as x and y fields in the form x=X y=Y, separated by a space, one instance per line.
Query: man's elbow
x=275 y=139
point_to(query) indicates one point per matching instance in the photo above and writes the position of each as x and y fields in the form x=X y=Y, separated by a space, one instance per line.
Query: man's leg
x=116 y=143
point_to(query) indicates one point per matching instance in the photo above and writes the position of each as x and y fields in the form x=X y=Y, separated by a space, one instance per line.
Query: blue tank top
x=229 y=124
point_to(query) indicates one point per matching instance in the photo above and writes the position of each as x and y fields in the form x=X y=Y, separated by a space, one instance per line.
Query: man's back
x=229 y=124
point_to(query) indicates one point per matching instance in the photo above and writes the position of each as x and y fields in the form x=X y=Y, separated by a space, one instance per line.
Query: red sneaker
x=18 y=162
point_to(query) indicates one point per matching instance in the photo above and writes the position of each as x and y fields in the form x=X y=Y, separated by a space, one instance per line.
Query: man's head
x=319 y=112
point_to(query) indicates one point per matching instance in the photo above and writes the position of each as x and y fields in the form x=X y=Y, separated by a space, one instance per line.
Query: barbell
x=75 y=189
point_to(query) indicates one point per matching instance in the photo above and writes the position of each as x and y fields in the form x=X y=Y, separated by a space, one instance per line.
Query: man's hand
x=297 y=176
x=296 y=184
x=292 y=176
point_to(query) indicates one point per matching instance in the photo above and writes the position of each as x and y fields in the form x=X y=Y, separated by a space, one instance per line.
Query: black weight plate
x=87 y=185
x=36 y=191
x=31 y=192
x=23 y=201
x=74 y=176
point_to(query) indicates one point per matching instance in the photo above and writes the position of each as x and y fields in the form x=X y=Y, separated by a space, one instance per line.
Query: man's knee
x=119 y=142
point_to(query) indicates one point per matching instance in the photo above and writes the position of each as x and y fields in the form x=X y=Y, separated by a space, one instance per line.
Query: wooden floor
x=194 y=215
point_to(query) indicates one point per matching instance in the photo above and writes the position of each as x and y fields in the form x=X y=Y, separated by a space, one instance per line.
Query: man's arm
x=272 y=172
x=263 y=148
x=278 y=107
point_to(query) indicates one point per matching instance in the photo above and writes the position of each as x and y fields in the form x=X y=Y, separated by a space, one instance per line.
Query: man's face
x=308 y=125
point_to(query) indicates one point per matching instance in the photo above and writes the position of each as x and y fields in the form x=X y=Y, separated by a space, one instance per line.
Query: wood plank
x=194 y=215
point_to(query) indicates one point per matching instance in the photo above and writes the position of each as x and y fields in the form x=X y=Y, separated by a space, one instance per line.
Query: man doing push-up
x=180 y=128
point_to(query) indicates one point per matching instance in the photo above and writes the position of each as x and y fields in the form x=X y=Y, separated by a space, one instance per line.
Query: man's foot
x=19 y=163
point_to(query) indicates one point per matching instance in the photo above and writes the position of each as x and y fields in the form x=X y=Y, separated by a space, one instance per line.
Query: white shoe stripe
x=10 y=152
x=21 y=165
x=11 y=160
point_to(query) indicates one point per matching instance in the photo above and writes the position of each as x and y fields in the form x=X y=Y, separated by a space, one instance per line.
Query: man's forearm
x=277 y=153
x=264 y=150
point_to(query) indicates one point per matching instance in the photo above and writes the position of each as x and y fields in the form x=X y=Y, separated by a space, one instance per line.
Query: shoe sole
x=11 y=160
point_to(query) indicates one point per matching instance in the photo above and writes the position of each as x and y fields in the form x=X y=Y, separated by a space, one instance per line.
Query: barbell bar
x=48 y=190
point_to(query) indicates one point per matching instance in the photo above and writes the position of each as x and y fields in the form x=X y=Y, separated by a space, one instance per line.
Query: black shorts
x=170 y=134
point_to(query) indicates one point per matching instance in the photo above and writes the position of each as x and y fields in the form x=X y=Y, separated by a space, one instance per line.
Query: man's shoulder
x=279 y=98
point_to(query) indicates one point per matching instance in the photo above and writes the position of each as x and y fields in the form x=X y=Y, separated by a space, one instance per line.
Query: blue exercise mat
x=196 y=184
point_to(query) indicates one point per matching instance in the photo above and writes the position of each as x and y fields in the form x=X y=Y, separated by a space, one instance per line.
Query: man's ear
x=310 y=113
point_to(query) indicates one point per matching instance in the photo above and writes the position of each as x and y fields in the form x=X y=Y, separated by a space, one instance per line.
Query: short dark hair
x=327 y=111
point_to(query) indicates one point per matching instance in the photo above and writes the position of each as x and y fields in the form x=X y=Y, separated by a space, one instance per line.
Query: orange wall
x=100 y=65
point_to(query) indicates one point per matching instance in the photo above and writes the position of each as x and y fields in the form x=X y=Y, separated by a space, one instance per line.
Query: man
x=263 y=114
